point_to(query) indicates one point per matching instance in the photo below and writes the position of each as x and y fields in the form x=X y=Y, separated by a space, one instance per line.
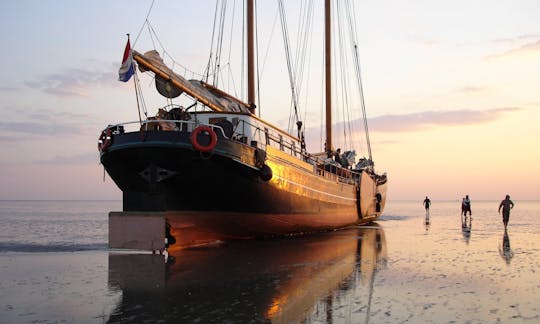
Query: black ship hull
x=226 y=190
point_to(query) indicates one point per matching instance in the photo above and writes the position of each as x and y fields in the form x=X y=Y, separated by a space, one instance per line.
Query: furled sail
x=208 y=95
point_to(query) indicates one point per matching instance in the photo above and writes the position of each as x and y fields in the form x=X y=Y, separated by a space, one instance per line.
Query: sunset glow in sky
x=452 y=91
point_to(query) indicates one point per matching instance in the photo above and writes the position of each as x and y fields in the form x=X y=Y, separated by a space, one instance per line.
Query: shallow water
x=448 y=273
x=54 y=226
x=55 y=267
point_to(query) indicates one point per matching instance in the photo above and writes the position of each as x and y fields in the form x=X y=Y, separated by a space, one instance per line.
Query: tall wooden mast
x=250 y=55
x=328 y=75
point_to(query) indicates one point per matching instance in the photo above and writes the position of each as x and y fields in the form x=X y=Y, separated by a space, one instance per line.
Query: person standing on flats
x=506 y=205
x=427 y=203
x=467 y=205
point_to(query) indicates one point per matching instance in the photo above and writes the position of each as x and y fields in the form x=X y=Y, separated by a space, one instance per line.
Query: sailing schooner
x=224 y=169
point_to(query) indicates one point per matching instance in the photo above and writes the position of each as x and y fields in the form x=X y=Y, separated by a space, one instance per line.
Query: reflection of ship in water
x=466 y=227
x=504 y=249
x=265 y=280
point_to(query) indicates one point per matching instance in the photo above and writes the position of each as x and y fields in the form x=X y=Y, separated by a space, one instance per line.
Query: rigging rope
x=307 y=22
x=230 y=79
x=139 y=93
x=352 y=28
x=206 y=76
x=145 y=21
x=296 y=67
x=288 y=59
x=219 y=45
x=343 y=66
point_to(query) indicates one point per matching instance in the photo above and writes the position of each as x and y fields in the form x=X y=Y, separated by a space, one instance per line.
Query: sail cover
x=208 y=95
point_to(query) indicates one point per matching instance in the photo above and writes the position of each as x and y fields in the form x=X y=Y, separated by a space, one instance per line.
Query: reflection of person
x=506 y=252
x=466 y=228
x=466 y=206
x=427 y=222
x=427 y=203
x=466 y=234
x=506 y=205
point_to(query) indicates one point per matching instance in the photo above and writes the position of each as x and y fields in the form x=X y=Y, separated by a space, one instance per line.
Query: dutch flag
x=127 y=68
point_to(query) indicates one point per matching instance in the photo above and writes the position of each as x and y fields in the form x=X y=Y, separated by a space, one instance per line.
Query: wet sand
x=401 y=271
x=455 y=274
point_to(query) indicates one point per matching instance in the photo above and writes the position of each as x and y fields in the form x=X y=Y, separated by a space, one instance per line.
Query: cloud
x=85 y=158
x=31 y=123
x=52 y=115
x=534 y=104
x=528 y=36
x=8 y=89
x=503 y=40
x=530 y=47
x=76 y=159
x=430 y=42
x=414 y=122
x=72 y=82
x=34 y=128
x=427 y=119
x=470 y=89
x=516 y=38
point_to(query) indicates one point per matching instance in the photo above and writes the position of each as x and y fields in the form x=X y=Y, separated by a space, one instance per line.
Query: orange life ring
x=195 y=142
x=104 y=140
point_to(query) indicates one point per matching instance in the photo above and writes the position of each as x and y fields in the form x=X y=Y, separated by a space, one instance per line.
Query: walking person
x=427 y=203
x=506 y=205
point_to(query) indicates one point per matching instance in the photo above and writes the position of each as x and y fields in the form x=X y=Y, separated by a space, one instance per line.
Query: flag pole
x=136 y=87
x=137 y=96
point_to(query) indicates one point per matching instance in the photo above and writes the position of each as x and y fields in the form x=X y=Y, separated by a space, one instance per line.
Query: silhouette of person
x=506 y=205
x=466 y=206
x=427 y=203
x=337 y=156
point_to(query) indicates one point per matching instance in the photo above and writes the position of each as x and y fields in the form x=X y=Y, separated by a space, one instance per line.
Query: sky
x=451 y=90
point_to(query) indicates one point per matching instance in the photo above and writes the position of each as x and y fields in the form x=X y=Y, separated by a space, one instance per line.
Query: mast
x=250 y=55
x=328 y=75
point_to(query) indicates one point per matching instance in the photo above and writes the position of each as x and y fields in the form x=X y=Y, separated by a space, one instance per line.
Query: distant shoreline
x=389 y=200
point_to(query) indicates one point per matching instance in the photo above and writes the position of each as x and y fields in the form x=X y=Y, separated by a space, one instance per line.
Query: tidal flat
x=405 y=268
